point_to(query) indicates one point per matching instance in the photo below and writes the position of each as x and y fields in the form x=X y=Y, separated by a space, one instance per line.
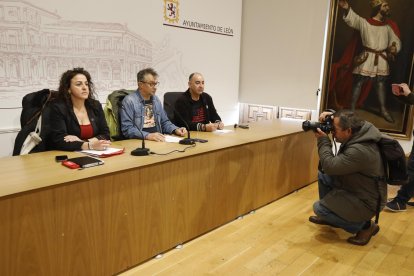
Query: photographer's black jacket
x=183 y=106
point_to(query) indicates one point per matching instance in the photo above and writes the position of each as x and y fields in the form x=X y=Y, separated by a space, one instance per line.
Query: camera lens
x=308 y=125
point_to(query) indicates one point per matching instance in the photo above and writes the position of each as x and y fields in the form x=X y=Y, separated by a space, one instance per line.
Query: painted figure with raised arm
x=380 y=38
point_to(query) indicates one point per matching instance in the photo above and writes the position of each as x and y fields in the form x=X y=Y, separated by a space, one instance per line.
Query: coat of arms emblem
x=171 y=11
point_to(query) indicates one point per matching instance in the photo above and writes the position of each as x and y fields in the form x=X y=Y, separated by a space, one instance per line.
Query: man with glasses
x=348 y=196
x=196 y=107
x=142 y=109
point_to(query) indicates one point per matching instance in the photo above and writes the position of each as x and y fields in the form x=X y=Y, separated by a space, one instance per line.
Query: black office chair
x=169 y=104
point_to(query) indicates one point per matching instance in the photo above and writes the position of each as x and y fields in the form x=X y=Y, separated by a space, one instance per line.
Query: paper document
x=172 y=139
x=103 y=153
x=223 y=130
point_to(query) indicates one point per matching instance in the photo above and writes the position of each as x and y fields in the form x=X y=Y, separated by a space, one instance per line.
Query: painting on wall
x=369 y=47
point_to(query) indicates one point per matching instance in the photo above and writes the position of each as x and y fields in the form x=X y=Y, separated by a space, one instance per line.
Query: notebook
x=103 y=153
x=86 y=161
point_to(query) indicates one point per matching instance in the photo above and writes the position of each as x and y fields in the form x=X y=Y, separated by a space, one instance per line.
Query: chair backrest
x=169 y=104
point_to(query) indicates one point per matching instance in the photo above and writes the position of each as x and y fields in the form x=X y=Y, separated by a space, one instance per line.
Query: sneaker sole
x=394 y=210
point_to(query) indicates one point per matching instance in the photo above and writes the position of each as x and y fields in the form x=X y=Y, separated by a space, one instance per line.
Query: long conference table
x=107 y=219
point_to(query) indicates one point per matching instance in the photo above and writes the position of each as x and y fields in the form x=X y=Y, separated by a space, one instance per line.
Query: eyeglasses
x=152 y=84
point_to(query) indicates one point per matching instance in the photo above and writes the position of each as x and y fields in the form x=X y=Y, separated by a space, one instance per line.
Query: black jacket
x=34 y=104
x=183 y=106
x=64 y=122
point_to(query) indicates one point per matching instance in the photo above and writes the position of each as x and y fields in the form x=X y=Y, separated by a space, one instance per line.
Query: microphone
x=184 y=141
x=142 y=151
x=245 y=126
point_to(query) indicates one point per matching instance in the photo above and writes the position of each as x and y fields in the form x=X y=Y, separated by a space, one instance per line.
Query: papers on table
x=172 y=139
x=103 y=153
x=223 y=131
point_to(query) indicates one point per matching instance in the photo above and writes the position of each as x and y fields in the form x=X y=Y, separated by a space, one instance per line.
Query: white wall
x=40 y=39
x=279 y=62
x=282 y=52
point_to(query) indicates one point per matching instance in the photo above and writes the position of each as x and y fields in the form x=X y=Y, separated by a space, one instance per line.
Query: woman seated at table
x=77 y=119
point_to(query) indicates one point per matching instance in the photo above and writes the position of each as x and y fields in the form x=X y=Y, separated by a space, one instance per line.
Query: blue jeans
x=325 y=183
x=406 y=191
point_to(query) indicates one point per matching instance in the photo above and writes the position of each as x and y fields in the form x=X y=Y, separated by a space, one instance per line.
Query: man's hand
x=180 y=131
x=393 y=49
x=405 y=89
x=219 y=125
x=211 y=127
x=156 y=136
x=343 y=4
x=323 y=116
x=319 y=133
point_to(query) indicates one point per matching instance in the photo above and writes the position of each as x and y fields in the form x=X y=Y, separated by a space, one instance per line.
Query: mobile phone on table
x=60 y=158
x=70 y=164
x=244 y=126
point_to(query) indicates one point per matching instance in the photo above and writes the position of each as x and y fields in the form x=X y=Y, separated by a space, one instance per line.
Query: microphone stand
x=142 y=151
x=188 y=140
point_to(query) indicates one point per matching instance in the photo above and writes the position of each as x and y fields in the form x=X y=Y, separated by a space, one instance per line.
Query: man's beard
x=385 y=14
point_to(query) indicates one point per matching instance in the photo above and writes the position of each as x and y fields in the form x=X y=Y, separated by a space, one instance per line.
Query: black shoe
x=395 y=206
x=410 y=203
x=320 y=221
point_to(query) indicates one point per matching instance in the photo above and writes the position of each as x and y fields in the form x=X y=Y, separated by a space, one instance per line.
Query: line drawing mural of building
x=37 y=46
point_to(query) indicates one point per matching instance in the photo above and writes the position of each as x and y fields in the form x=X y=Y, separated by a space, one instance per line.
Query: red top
x=86 y=132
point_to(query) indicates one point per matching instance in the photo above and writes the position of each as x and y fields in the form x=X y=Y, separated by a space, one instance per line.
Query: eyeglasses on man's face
x=152 y=84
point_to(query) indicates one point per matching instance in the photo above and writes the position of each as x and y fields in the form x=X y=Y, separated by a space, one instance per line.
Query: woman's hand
x=99 y=144
x=71 y=138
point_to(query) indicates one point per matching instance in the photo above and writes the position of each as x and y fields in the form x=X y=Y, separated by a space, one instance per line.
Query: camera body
x=326 y=126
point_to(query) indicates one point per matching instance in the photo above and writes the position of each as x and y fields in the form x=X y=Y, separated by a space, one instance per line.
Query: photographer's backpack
x=395 y=165
x=394 y=161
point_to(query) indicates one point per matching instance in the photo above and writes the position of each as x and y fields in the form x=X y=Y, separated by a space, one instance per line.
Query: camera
x=326 y=126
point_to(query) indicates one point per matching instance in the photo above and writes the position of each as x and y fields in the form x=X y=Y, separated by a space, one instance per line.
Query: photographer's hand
x=319 y=133
x=323 y=116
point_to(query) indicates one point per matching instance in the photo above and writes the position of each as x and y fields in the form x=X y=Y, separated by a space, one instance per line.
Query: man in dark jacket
x=349 y=197
x=406 y=192
x=196 y=107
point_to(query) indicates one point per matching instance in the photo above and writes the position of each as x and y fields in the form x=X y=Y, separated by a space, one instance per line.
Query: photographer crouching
x=348 y=198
